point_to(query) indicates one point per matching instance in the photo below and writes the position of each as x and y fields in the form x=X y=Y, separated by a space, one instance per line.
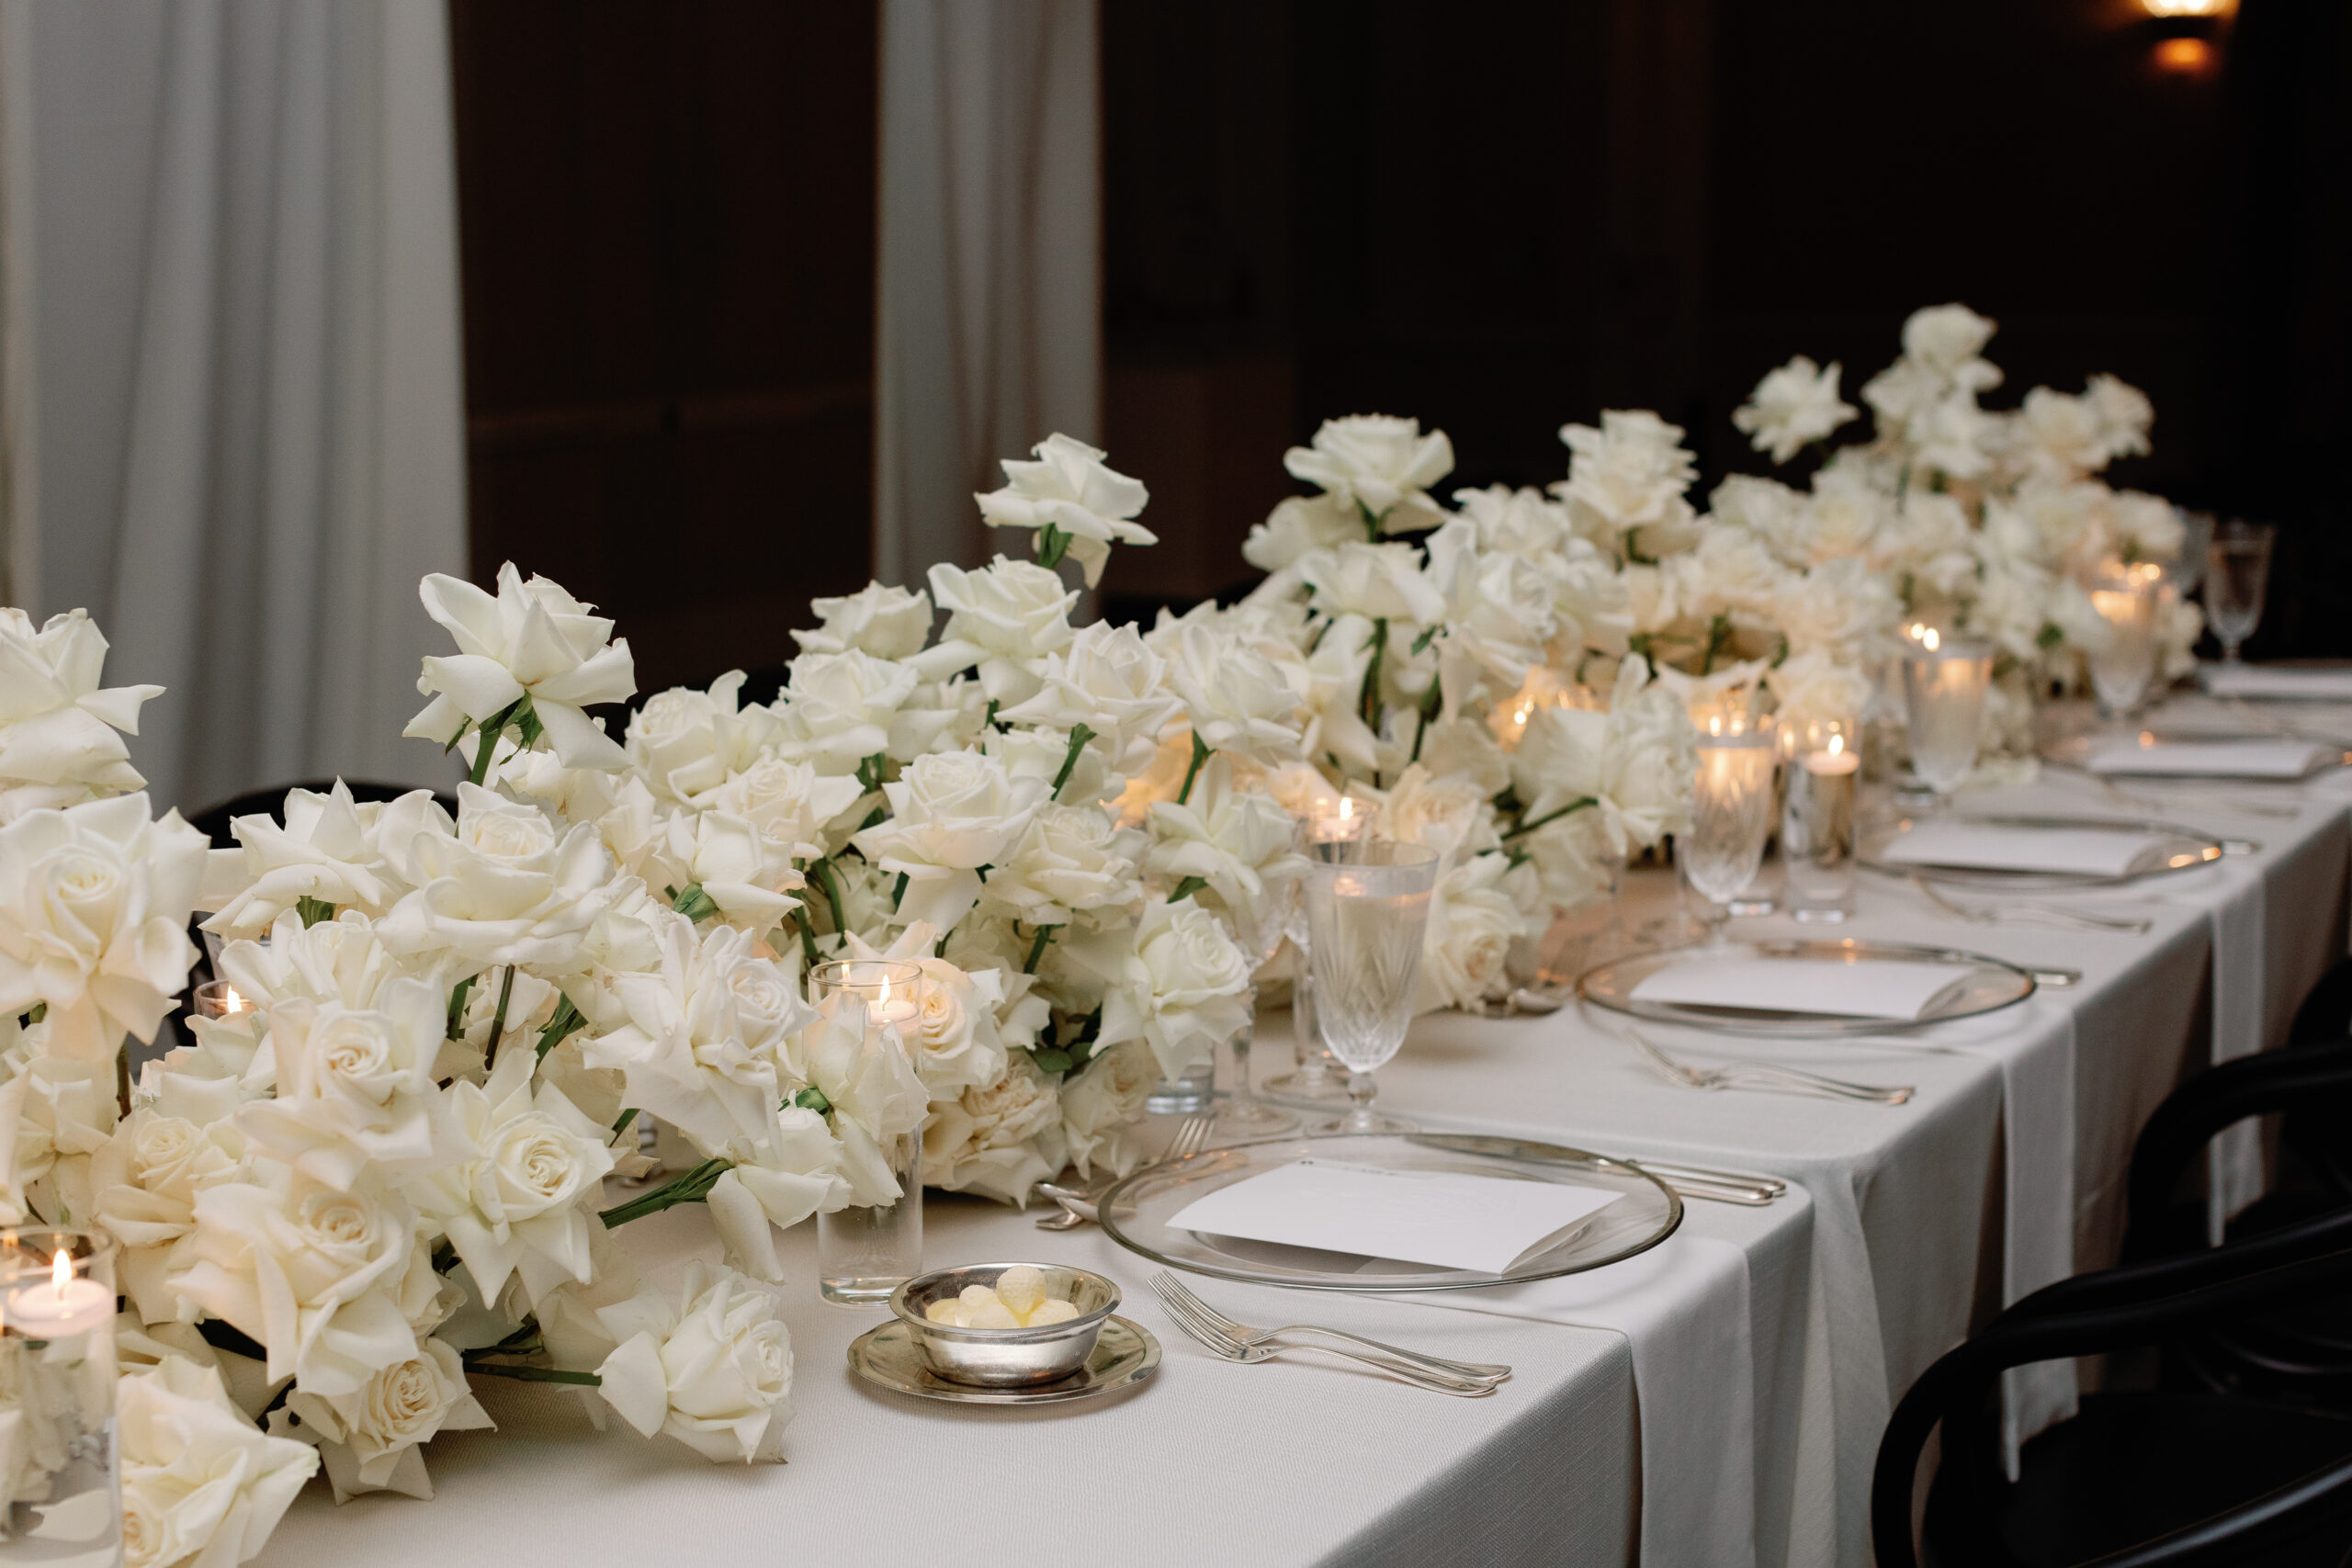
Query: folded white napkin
x=2261 y=758
x=2278 y=681
x=1683 y=1309
x=1871 y=988
x=1986 y=846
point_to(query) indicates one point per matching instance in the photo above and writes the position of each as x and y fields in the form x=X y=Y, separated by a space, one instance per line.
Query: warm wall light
x=2186 y=55
x=2167 y=8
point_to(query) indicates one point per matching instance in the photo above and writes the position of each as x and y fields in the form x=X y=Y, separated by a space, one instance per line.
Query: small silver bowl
x=1006 y=1358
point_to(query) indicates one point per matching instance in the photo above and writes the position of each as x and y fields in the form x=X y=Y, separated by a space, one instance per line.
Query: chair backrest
x=2327 y=1012
x=2153 y=1307
x=2310 y=1079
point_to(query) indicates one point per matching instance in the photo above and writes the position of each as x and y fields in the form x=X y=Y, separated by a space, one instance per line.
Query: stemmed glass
x=2126 y=599
x=1367 y=910
x=1731 y=818
x=1943 y=697
x=2237 y=580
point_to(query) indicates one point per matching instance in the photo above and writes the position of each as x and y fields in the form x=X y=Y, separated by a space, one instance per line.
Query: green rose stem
x=458 y=994
x=1079 y=737
x=1368 y=700
x=1201 y=753
x=1052 y=545
x=1038 y=948
x=823 y=874
x=1431 y=701
x=1550 y=816
x=692 y=1187
x=567 y=1018
x=625 y=1118
x=535 y=1374
x=498 y=1018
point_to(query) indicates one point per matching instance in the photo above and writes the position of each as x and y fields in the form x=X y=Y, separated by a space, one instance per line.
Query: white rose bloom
x=57 y=745
x=1575 y=860
x=1376 y=582
x=1776 y=513
x=716 y=1377
x=873 y=1091
x=1634 y=764
x=2058 y=437
x=1450 y=813
x=1735 y=571
x=1236 y=697
x=94 y=909
x=1793 y=407
x=506 y=887
x=1176 y=980
x=201 y=1485
x=952 y=813
x=533 y=639
x=704 y=1046
x=2124 y=414
x=836 y=709
x=886 y=622
x=1002 y=620
x=954 y=1038
x=1839 y=606
x=370 y=1439
x=1235 y=841
x=519 y=1203
x=1948 y=339
x=1100 y=1104
x=1070 y=488
x=331 y=849
x=791 y=1173
x=1380 y=464
x=685 y=743
x=1499 y=615
x=144 y=1184
x=1813 y=686
x=1516 y=522
x=1468 y=749
x=2150 y=527
x=354 y=1087
x=1626 y=483
x=790 y=802
x=1070 y=857
x=1472 y=921
x=1298 y=525
x=987 y=1139
x=55 y=1113
x=743 y=870
x=1040 y=756
x=1109 y=680
x=304 y=1270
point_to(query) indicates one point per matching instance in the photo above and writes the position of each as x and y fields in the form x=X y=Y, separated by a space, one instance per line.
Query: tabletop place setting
x=1621 y=993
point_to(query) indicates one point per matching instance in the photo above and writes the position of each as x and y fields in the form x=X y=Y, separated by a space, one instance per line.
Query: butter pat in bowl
x=1050 y=1347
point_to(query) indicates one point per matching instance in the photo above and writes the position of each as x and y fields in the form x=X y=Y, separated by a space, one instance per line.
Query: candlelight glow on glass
x=57 y=1385
x=2127 y=599
x=2237 y=580
x=1731 y=811
x=1315 y=1071
x=1943 y=697
x=1818 y=818
x=217 y=998
x=1368 y=909
x=864 y=1253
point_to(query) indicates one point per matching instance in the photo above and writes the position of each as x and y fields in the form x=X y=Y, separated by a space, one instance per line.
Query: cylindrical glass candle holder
x=217 y=998
x=1944 y=680
x=1318 y=1074
x=1818 y=818
x=64 y=1499
x=1731 y=810
x=865 y=1251
x=2123 y=663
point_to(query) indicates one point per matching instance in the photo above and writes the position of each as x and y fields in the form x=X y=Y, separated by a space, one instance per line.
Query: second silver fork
x=1077 y=1208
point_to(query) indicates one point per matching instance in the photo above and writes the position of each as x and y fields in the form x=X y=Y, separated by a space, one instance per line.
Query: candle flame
x=1930 y=641
x=885 y=999
x=60 y=1273
x=1837 y=744
x=231 y=1002
x=1347 y=807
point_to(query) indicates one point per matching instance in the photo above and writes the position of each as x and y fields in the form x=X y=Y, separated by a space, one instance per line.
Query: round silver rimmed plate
x=1136 y=1212
x=2061 y=851
x=1124 y=1355
x=1979 y=985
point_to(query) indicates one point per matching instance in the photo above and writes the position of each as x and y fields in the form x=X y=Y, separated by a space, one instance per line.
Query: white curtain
x=989 y=306
x=235 y=417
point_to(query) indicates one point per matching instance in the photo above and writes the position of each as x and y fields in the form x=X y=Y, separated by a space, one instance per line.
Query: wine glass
x=1730 y=819
x=2124 y=663
x=1367 y=911
x=1943 y=697
x=2237 y=579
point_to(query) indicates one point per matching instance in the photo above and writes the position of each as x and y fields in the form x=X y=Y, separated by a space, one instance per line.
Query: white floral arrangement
x=1960 y=517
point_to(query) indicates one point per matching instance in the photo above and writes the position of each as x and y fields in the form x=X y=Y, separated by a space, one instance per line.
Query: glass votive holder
x=865 y=1251
x=1817 y=813
x=1944 y=682
x=1735 y=762
x=2123 y=663
x=63 y=1486
x=219 y=1000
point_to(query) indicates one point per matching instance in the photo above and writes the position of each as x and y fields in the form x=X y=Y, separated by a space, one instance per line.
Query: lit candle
x=890 y=990
x=889 y=1009
x=2124 y=662
x=63 y=1307
x=1944 y=680
x=1818 y=822
x=217 y=998
x=1337 y=822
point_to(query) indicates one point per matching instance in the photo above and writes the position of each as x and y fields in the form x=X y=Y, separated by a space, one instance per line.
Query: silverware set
x=1768 y=1075
x=1233 y=1342
x=1077 y=1208
x=2046 y=914
x=1745 y=1188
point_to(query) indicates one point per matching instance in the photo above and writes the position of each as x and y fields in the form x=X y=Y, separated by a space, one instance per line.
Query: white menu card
x=2280 y=759
x=1868 y=987
x=1988 y=846
x=1446 y=1218
x=2304 y=682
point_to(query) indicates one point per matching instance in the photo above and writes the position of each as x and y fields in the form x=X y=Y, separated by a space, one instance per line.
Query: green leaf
x=812 y=1098
x=1201 y=753
x=1428 y=633
x=314 y=911
x=692 y=902
x=1549 y=817
x=35 y=1013
x=498 y=1018
x=625 y=1118
x=567 y=1018
x=1051 y=1061
x=872 y=772
x=533 y=1374
x=876 y=815
x=899 y=892
x=2050 y=636
x=691 y=1188
x=1079 y=737
x=1052 y=545
x=1368 y=702
x=1187 y=887
x=458 y=1006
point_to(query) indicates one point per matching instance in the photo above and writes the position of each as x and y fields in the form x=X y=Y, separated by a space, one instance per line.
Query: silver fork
x=2082 y=919
x=1174 y=1292
x=1077 y=1208
x=1218 y=1343
x=2204 y=800
x=1768 y=1075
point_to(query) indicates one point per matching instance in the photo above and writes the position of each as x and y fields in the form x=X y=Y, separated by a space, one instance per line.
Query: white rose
x=1840 y=607
x=953 y=1037
x=143 y=1185
x=2124 y=414
x=717 y=1378
x=1625 y=484
x=1102 y=1102
x=58 y=740
x=1947 y=338
x=1298 y=525
x=94 y=909
x=1004 y=621
x=1109 y=680
x=869 y=1080
x=684 y=743
x=1376 y=582
x=790 y=802
x=1070 y=857
x=886 y=622
x=986 y=1140
x=201 y=1483
x=1735 y=570
x=1236 y=697
x=1236 y=842
x=505 y=889
x=533 y=639
x=519 y=1205
x=1450 y=814
x=354 y=1087
x=705 y=1041
x=55 y=1113
x=370 y=1437
x=1516 y=522
x=793 y=1172
x=1042 y=756
x=1813 y=686
x=1379 y=463
x=1472 y=921
x=330 y=850
x=304 y=1270
x=837 y=708
x=951 y=813
x=1575 y=859
x=1499 y=613
x=1793 y=407
x=1069 y=489
x=1467 y=748
x=2058 y=436
x=1177 y=980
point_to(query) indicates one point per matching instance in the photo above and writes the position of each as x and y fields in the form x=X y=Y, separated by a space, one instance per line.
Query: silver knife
x=1691 y=1181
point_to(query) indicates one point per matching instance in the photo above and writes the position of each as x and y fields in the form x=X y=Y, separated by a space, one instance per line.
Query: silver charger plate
x=1124 y=1356
x=1135 y=1211
x=1982 y=985
x=2171 y=848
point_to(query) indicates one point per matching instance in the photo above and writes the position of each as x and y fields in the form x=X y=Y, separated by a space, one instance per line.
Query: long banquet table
x=1909 y=1225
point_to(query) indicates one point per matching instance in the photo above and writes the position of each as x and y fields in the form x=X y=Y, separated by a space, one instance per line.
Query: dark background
x=1496 y=217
